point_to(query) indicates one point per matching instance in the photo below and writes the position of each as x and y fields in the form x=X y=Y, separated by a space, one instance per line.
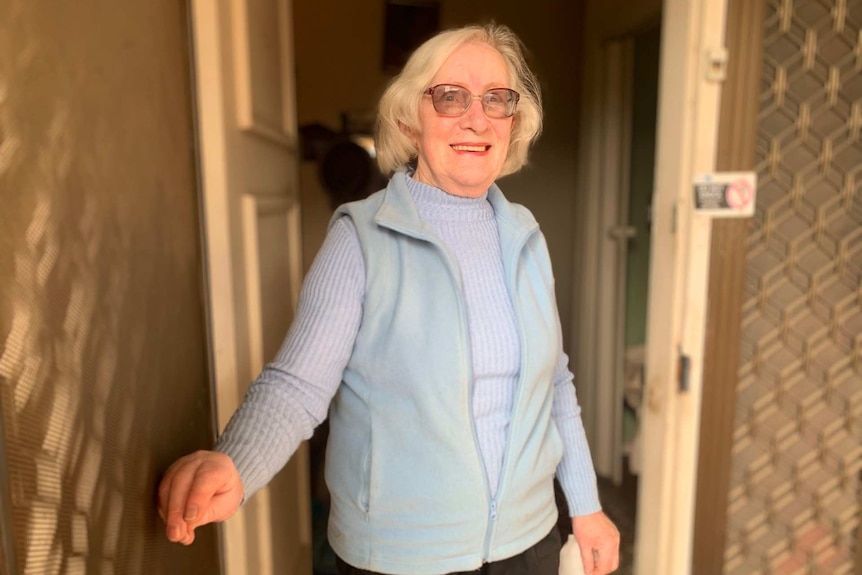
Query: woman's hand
x=198 y=489
x=599 y=542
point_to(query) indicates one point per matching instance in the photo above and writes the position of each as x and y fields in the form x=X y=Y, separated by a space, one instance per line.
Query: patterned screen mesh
x=103 y=365
x=794 y=505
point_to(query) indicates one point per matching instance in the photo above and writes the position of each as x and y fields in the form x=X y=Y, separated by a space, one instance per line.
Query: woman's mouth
x=471 y=147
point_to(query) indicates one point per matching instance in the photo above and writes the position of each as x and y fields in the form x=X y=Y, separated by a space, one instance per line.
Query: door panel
x=244 y=64
x=103 y=350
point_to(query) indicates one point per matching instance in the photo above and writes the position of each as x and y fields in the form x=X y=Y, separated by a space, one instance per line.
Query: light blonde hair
x=399 y=106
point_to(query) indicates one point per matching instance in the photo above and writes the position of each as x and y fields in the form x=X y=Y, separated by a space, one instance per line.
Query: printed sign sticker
x=725 y=194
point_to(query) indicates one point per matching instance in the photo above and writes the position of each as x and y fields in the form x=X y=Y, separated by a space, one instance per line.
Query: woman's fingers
x=588 y=557
x=177 y=484
x=198 y=489
x=599 y=541
x=607 y=558
x=216 y=491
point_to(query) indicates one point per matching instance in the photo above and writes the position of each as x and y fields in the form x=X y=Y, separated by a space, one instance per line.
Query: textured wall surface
x=103 y=365
x=794 y=505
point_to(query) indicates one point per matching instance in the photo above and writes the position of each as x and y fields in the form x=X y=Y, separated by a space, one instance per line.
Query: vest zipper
x=517 y=307
x=491 y=501
x=455 y=271
x=489 y=533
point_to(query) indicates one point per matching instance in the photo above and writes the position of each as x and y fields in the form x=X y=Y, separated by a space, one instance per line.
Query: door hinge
x=716 y=64
x=683 y=371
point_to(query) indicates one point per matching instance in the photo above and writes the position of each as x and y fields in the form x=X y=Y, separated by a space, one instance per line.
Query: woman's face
x=463 y=155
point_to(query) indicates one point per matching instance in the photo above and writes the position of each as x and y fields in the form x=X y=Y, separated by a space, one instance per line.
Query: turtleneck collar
x=432 y=203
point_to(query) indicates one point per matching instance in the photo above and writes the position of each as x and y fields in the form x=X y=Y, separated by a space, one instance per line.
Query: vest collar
x=398 y=212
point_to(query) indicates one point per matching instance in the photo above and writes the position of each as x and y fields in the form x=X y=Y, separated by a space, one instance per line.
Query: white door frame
x=689 y=96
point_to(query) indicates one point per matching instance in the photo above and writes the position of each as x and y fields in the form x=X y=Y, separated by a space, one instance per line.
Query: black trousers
x=543 y=558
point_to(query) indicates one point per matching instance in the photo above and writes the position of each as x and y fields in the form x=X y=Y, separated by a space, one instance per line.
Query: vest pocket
x=365 y=489
x=348 y=452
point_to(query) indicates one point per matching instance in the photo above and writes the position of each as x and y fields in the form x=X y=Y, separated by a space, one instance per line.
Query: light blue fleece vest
x=409 y=490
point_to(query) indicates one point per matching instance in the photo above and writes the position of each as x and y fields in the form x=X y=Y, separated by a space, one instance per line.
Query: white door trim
x=679 y=261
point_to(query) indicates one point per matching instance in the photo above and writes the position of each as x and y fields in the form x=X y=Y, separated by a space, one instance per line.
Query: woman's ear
x=410 y=133
x=405 y=129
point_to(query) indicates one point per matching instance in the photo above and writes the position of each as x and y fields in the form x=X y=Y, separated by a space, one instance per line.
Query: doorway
x=620 y=239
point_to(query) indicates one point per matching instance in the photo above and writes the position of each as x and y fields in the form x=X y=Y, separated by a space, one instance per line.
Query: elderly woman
x=427 y=331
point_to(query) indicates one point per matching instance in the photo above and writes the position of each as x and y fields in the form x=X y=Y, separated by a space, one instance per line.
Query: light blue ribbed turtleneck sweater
x=292 y=395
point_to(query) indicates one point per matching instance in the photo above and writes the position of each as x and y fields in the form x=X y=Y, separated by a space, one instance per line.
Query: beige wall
x=338 y=53
x=338 y=67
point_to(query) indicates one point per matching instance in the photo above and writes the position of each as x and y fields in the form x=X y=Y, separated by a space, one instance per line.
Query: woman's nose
x=474 y=118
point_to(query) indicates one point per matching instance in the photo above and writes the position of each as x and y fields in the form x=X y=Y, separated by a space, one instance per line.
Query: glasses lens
x=500 y=102
x=450 y=100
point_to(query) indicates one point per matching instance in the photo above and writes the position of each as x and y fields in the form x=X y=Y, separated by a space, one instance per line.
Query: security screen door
x=795 y=500
x=103 y=347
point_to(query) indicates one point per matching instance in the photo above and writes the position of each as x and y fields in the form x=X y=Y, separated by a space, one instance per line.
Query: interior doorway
x=620 y=269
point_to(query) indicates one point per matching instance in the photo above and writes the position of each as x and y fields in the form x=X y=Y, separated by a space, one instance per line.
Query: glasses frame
x=473 y=98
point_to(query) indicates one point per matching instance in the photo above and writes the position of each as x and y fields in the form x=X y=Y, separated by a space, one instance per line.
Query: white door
x=243 y=60
x=689 y=94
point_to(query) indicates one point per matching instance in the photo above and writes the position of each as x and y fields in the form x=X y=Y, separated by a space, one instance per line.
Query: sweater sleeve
x=575 y=471
x=291 y=396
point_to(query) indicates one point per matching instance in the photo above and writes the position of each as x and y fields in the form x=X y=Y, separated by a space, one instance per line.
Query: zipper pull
x=493 y=510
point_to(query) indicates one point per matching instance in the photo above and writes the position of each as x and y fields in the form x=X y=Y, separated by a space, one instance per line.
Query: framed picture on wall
x=408 y=24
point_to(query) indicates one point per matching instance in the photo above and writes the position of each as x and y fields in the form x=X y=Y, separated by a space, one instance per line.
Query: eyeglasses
x=452 y=100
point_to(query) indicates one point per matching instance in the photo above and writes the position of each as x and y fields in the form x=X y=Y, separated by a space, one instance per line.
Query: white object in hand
x=570 y=558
